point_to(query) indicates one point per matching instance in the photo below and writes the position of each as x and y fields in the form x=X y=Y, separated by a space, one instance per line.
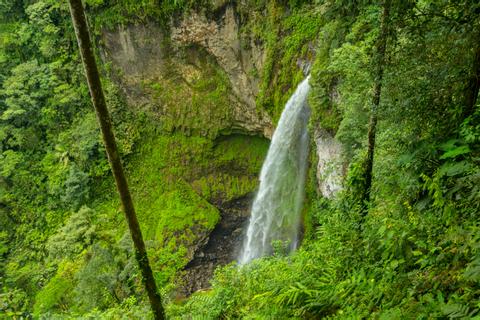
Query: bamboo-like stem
x=103 y=117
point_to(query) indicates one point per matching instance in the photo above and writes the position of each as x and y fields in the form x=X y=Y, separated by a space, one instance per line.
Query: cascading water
x=277 y=206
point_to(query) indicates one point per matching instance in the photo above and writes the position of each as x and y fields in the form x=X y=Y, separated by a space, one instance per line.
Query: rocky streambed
x=221 y=248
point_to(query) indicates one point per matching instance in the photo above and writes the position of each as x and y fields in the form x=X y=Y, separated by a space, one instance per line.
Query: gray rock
x=139 y=54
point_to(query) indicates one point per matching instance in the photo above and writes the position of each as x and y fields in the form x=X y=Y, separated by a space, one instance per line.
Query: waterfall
x=277 y=206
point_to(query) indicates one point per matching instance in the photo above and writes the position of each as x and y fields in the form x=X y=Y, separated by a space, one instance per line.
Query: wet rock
x=330 y=166
x=222 y=247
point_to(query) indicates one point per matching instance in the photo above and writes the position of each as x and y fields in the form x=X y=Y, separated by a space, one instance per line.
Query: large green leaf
x=457 y=151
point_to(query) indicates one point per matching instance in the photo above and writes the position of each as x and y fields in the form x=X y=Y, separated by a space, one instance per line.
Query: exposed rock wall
x=222 y=247
x=330 y=166
x=221 y=40
x=145 y=56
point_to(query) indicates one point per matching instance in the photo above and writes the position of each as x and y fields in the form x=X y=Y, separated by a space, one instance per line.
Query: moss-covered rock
x=177 y=182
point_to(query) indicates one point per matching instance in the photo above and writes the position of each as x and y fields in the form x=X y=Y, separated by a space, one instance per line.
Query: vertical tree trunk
x=103 y=116
x=377 y=91
x=473 y=84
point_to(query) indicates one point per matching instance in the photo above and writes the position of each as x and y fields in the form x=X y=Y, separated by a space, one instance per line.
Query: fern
x=456 y=311
x=472 y=272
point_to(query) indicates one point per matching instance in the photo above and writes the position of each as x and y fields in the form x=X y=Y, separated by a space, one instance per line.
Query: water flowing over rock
x=277 y=207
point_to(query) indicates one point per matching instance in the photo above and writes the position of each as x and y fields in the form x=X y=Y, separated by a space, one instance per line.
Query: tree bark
x=103 y=117
x=473 y=84
x=377 y=91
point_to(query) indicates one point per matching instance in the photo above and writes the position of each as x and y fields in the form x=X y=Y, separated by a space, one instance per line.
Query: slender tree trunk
x=103 y=117
x=377 y=91
x=473 y=84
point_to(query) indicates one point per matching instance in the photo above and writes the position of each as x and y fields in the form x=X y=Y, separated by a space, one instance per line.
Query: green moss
x=174 y=179
x=246 y=152
x=174 y=211
x=268 y=30
x=194 y=98
x=122 y=12
x=325 y=110
x=57 y=293
x=287 y=34
x=237 y=161
x=224 y=186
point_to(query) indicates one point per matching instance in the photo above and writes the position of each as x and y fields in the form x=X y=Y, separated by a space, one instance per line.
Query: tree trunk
x=377 y=91
x=473 y=84
x=103 y=117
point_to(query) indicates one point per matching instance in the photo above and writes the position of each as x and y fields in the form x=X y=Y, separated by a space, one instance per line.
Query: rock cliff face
x=151 y=64
x=330 y=166
x=221 y=40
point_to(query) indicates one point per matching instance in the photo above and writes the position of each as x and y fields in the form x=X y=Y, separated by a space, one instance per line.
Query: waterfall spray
x=278 y=204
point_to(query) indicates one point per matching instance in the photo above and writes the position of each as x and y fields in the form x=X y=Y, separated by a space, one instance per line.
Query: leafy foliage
x=64 y=252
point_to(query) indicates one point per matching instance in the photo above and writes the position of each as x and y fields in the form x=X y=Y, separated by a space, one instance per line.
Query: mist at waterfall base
x=276 y=210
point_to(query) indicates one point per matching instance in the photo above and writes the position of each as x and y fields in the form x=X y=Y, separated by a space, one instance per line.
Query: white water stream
x=276 y=210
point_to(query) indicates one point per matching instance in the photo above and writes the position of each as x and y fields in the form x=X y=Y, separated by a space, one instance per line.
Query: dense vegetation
x=410 y=252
